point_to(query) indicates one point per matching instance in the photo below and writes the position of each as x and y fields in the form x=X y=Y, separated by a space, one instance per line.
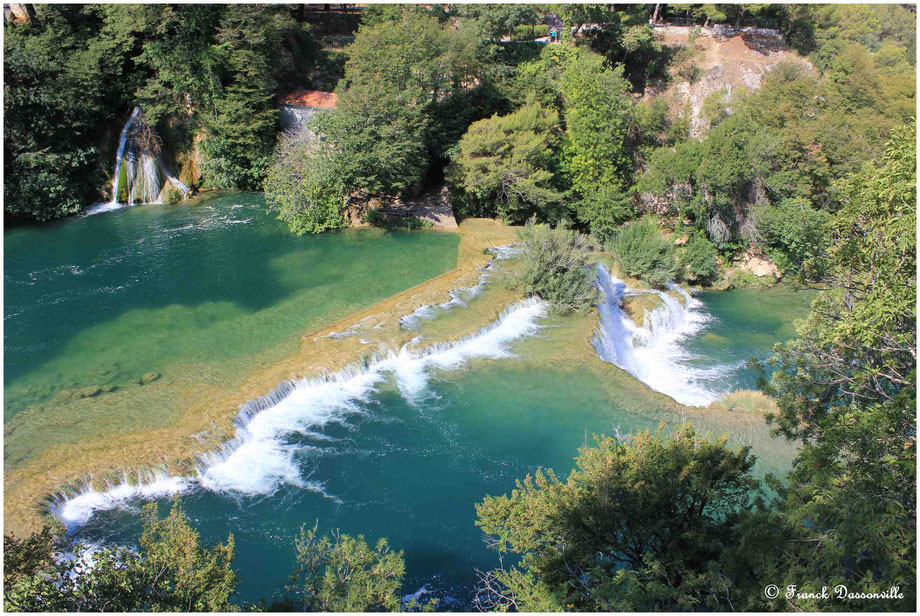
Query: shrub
x=604 y=209
x=304 y=185
x=172 y=571
x=529 y=33
x=795 y=236
x=641 y=251
x=684 y=63
x=699 y=259
x=555 y=266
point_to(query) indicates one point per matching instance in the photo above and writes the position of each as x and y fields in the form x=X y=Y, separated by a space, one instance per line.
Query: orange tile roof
x=310 y=98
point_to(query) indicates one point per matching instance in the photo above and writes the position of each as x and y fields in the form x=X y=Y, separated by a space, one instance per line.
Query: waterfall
x=653 y=352
x=147 y=183
x=122 y=141
x=180 y=186
x=142 y=167
x=266 y=452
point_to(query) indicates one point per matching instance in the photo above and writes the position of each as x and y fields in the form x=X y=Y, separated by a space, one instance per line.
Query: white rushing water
x=119 y=155
x=653 y=353
x=261 y=457
x=460 y=297
x=142 y=170
x=78 y=509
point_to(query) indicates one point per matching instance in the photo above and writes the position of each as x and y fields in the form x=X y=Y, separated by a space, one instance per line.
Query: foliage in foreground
x=172 y=571
x=555 y=265
x=641 y=251
x=676 y=522
x=846 y=390
x=637 y=526
x=344 y=574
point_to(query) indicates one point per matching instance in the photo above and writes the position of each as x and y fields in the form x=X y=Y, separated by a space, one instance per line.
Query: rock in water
x=149 y=377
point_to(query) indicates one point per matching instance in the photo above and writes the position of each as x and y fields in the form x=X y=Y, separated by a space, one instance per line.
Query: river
x=401 y=445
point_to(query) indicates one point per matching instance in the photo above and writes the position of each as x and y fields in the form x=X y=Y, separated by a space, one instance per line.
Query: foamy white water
x=460 y=297
x=654 y=353
x=101 y=208
x=78 y=509
x=261 y=458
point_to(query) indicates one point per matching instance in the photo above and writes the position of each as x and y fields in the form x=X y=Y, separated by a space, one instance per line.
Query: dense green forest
x=516 y=129
x=72 y=73
x=815 y=169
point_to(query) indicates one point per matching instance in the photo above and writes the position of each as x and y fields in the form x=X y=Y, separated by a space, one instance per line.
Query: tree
x=344 y=574
x=699 y=259
x=499 y=20
x=597 y=112
x=305 y=183
x=380 y=136
x=61 y=84
x=639 y=525
x=624 y=37
x=181 y=61
x=846 y=389
x=508 y=163
x=241 y=126
x=604 y=209
x=171 y=571
x=795 y=235
x=396 y=80
x=73 y=73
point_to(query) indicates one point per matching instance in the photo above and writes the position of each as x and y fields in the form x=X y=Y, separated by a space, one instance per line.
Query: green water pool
x=198 y=292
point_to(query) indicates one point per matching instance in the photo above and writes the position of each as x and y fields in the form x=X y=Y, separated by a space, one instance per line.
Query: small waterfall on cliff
x=652 y=352
x=139 y=155
x=180 y=186
x=122 y=142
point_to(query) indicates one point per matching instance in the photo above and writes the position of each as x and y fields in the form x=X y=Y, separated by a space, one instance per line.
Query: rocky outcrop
x=18 y=13
x=433 y=206
x=759 y=266
x=728 y=60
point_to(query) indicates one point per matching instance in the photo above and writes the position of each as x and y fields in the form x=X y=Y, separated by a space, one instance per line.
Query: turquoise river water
x=402 y=448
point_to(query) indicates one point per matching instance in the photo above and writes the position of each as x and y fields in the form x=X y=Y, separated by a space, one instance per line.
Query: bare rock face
x=729 y=61
x=760 y=266
x=19 y=13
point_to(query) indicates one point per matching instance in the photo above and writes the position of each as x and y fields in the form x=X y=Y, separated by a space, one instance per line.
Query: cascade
x=653 y=352
x=263 y=456
x=143 y=166
x=172 y=179
x=122 y=141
